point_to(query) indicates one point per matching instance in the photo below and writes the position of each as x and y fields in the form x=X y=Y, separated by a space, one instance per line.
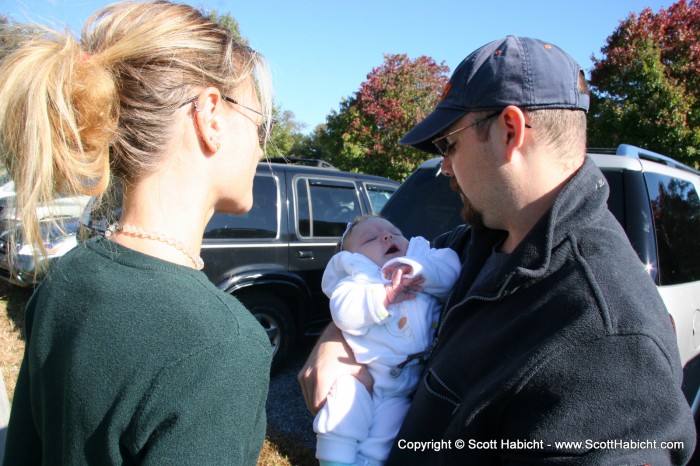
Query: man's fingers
x=307 y=388
x=365 y=378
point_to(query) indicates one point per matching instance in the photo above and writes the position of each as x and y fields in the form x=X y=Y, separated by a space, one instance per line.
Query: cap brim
x=422 y=135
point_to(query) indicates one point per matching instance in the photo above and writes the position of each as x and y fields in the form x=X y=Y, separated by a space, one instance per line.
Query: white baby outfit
x=354 y=426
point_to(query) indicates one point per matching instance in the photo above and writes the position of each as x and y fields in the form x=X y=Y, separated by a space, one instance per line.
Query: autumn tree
x=363 y=134
x=6 y=38
x=311 y=146
x=646 y=87
x=12 y=34
x=285 y=135
x=228 y=21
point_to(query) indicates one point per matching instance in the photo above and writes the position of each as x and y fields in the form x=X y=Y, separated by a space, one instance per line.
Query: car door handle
x=305 y=254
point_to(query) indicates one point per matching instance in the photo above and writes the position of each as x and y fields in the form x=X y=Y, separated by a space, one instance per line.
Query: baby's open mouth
x=392 y=250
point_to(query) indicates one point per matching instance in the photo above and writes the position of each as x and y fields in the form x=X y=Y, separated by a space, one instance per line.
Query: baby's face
x=377 y=239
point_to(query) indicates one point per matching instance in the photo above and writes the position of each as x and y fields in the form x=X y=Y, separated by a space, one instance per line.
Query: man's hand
x=330 y=358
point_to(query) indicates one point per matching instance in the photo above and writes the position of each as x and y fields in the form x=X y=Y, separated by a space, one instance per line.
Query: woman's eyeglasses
x=262 y=130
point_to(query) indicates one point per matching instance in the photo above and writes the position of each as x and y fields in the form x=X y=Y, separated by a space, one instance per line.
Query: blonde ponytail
x=72 y=115
x=54 y=139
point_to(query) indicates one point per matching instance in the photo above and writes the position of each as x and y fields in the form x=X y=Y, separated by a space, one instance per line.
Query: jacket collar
x=579 y=202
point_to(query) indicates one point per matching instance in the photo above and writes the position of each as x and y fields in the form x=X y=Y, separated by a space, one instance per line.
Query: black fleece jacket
x=569 y=342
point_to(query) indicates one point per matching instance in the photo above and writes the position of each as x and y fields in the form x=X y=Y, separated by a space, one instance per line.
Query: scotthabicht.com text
x=504 y=444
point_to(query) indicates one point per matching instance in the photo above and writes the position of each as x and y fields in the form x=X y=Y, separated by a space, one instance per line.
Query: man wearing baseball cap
x=555 y=345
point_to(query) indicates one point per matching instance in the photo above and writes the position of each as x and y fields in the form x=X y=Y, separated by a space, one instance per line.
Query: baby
x=385 y=294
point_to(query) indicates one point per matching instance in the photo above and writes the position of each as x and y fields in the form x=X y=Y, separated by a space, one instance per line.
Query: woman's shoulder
x=111 y=283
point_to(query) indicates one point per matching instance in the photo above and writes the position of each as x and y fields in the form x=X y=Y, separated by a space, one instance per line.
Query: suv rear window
x=675 y=206
x=262 y=221
x=378 y=195
x=425 y=207
x=324 y=207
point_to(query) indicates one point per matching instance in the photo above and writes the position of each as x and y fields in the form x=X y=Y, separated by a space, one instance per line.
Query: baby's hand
x=390 y=270
x=401 y=288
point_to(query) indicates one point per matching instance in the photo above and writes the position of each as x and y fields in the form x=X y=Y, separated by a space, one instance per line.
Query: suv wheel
x=275 y=317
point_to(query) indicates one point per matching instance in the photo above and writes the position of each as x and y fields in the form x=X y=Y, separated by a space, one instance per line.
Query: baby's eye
x=369 y=240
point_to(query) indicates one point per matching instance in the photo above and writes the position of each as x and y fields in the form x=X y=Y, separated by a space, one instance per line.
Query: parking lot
x=286 y=411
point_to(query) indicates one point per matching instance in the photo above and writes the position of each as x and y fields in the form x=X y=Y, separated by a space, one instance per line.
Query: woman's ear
x=207 y=116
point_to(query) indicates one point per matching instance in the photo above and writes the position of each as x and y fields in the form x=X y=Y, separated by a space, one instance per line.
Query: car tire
x=274 y=316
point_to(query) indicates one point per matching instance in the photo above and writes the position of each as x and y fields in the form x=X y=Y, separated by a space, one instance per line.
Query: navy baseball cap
x=528 y=73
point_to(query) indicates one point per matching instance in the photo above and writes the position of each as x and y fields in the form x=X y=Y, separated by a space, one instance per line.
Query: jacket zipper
x=447 y=310
x=454 y=400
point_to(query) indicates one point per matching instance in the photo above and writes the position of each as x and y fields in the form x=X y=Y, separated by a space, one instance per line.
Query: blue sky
x=322 y=50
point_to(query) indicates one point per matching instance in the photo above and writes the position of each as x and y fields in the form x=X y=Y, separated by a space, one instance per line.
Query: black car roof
x=264 y=167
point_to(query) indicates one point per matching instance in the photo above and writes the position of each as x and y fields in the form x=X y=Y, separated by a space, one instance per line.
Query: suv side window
x=262 y=221
x=675 y=206
x=616 y=200
x=324 y=206
x=378 y=194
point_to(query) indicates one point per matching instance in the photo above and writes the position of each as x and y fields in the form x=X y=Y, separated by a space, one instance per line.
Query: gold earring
x=217 y=144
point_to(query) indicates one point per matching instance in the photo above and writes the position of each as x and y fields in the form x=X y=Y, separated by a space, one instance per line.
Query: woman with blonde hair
x=132 y=355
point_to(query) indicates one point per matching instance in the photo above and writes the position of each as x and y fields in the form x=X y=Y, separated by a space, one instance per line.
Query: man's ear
x=207 y=115
x=515 y=123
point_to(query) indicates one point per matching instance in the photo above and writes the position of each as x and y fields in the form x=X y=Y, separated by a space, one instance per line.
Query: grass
x=12 y=302
x=279 y=449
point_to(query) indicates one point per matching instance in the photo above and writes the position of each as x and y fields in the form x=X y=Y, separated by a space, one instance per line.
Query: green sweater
x=134 y=360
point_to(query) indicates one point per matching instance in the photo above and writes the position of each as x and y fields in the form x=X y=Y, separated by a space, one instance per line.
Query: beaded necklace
x=138 y=232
